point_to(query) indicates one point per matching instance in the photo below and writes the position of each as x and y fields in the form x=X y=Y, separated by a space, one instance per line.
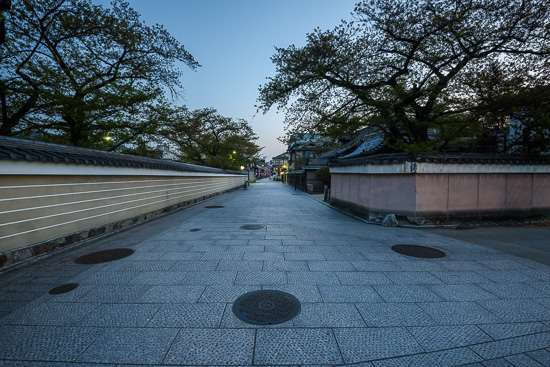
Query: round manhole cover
x=214 y=207
x=252 y=227
x=63 y=288
x=418 y=251
x=266 y=307
x=104 y=256
x=194 y=230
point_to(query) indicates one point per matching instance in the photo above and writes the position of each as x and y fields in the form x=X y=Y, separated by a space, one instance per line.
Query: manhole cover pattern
x=63 y=288
x=194 y=230
x=252 y=227
x=104 y=256
x=418 y=251
x=266 y=307
x=214 y=207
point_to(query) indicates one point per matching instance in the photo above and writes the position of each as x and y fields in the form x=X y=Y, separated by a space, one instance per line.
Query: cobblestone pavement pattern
x=169 y=303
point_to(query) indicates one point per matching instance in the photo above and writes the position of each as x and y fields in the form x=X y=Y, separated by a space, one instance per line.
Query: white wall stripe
x=79 y=220
x=93 y=192
x=213 y=185
x=104 y=206
x=114 y=182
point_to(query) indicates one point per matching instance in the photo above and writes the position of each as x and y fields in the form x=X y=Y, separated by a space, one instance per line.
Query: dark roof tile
x=20 y=149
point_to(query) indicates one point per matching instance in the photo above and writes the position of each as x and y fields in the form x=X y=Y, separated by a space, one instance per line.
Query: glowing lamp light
x=108 y=138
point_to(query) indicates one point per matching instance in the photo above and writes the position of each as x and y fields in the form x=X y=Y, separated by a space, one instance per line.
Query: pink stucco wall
x=430 y=195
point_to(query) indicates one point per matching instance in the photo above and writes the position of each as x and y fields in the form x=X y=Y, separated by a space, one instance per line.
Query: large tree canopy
x=207 y=138
x=411 y=68
x=76 y=72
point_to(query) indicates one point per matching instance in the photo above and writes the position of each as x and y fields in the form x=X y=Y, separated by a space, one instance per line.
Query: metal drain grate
x=214 y=207
x=104 y=256
x=266 y=307
x=194 y=230
x=252 y=227
x=419 y=251
x=63 y=288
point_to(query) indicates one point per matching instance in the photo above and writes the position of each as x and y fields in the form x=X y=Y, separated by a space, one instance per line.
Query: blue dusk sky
x=233 y=40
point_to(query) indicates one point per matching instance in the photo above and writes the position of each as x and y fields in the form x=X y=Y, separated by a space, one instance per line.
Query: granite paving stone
x=363 y=278
x=376 y=265
x=172 y=294
x=126 y=345
x=115 y=293
x=147 y=265
x=159 y=278
x=458 y=313
x=356 y=343
x=499 y=362
x=274 y=265
x=460 y=277
x=241 y=265
x=296 y=346
x=328 y=315
x=51 y=313
x=312 y=278
x=47 y=343
x=349 y=293
x=542 y=356
x=304 y=293
x=223 y=256
x=64 y=364
x=452 y=357
x=461 y=292
x=267 y=256
x=212 y=347
x=516 y=310
x=413 y=277
x=209 y=278
x=506 y=276
x=281 y=249
x=260 y=278
x=393 y=314
x=406 y=293
x=433 y=338
x=182 y=256
x=420 y=265
x=457 y=265
x=333 y=265
x=224 y=293
x=107 y=278
x=344 y=256
x=514 y=290
x=523 y=360
x=508 y=347
x=290 y=256
x=121 y=315
x=188 y=315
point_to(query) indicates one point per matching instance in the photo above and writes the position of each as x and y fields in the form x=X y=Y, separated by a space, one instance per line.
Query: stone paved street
x=362 y=304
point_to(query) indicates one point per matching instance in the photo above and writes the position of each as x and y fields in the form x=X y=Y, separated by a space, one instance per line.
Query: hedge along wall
x=442 y=189
x=47 y=205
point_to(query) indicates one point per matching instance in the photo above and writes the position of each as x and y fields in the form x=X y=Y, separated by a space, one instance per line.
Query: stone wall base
x=419 y=219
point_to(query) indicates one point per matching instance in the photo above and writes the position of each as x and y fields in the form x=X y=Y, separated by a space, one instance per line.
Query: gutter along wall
x=44 y=205
x=442 y=190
